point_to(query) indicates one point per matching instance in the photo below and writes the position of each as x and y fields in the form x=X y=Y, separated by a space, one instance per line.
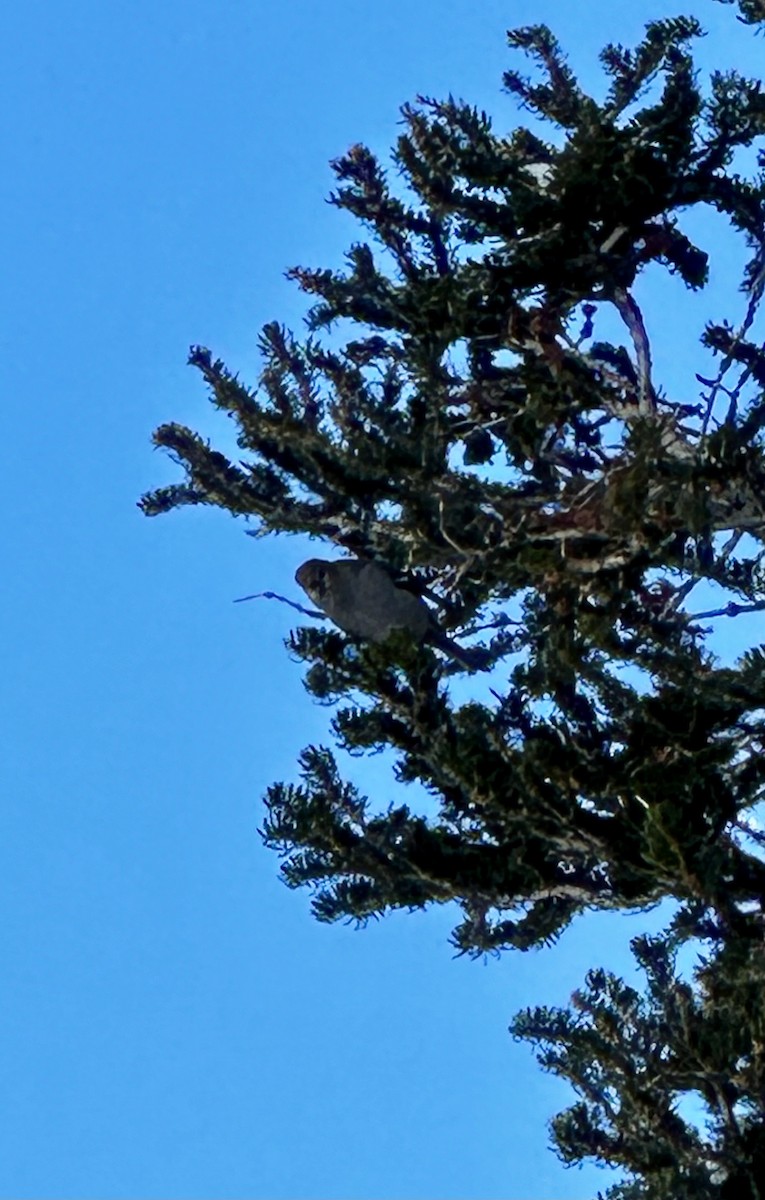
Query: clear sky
x=172 y=1021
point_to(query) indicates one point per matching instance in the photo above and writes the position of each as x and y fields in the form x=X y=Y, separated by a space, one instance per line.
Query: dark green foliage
x=752 y=12
x=477 y=433
x=636 y=1061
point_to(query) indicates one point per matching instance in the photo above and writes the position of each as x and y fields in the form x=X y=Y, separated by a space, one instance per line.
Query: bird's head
x=314 y=578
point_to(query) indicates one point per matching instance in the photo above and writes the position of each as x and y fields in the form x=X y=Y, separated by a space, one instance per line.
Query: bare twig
x=613 y=238
x=682 y=592
x=755 y=296
x=307 y=612
x=730 y=610
x=633 y=319
x=746 y=827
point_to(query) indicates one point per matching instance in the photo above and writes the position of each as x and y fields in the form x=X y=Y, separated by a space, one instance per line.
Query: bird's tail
x=472 y=658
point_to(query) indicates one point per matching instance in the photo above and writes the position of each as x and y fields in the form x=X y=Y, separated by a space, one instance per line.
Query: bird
x=362 y=599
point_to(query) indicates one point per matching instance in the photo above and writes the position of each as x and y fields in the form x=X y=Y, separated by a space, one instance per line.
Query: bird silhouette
x=362 y=598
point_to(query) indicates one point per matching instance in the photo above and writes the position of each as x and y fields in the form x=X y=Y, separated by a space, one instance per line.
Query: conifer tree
x=482 y=417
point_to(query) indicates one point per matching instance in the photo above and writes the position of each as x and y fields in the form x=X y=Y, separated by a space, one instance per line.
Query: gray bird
x=362 y=599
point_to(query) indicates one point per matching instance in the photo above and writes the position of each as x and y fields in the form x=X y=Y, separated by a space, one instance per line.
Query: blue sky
x=172 y=1021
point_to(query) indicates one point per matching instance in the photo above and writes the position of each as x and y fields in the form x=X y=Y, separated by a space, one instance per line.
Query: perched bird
x=362 y=599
